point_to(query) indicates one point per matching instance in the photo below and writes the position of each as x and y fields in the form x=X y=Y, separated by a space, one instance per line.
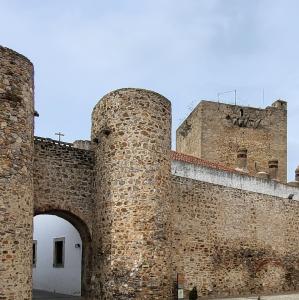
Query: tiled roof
x=201 y=162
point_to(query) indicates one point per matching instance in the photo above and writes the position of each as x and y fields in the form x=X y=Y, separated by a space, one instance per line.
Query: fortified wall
x=146 y=214
x=233 y=234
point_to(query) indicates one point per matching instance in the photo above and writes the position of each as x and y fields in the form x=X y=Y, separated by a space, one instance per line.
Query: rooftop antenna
x=222 y=93
x=191 y=105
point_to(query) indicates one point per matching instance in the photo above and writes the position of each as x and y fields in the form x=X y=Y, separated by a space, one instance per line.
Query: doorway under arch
x=65 y=249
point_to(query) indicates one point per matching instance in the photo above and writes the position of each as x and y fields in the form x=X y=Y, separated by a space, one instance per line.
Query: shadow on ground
x=37 y=294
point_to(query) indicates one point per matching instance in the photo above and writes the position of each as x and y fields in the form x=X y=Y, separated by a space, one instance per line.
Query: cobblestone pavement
x=50 y=296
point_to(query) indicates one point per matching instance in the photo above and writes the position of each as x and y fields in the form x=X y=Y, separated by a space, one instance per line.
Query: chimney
x=296 y=182
x=273 y=169
x=242 y=160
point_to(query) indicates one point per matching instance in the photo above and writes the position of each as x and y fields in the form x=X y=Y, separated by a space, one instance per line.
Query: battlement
x=83 y=146
x=280 y=104
x=63 y=151
x=42 y=140
x=77 y=145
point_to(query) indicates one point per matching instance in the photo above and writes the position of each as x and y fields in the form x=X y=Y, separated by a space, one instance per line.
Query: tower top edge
x=15 y=53
x=131 y=90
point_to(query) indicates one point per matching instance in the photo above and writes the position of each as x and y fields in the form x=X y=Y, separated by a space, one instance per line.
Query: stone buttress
x=131 y=138
x=16 y=183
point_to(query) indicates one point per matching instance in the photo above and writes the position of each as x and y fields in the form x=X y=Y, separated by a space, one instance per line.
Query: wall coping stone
x=234 y=180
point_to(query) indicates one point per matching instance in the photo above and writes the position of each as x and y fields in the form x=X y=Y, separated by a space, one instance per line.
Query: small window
x=34 y=251
x=58 y=257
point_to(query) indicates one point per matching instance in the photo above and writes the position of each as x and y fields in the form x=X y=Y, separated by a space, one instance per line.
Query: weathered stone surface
x=234 y=242
x=131 y=134
x=224 y=231
x=16 y=184
x=215 y=131
x=64 y=186
x=63 y=179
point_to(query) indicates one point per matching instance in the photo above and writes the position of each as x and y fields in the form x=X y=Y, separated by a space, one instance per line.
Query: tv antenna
x=227 y=92
x=191 y=105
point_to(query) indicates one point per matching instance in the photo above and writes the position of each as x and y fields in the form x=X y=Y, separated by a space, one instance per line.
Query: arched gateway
x=63 y=186
x=85 y=235
x=150 y=219
x=126 y=254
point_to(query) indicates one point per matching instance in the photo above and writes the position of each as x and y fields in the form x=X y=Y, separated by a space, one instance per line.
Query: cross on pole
x=60 y=134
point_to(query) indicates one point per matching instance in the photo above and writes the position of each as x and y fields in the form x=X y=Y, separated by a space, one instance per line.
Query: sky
x=186 y=50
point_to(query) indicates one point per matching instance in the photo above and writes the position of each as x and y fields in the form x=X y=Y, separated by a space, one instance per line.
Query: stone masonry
x=16 y=184
x=233 y=242
x=147 y=214
x=215 y=132
x=131 y=140
x=63 y=177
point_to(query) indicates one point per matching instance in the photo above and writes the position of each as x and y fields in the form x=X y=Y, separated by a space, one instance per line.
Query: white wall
x=65 y=280
x=233 y=180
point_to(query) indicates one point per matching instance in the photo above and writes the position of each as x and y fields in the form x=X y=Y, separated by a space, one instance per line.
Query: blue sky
x=186 y=50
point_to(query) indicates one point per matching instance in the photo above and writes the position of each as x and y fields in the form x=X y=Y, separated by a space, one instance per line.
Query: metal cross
x=60 y=134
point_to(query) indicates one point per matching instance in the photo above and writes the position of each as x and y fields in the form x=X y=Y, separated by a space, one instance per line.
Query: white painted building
x=57 y=264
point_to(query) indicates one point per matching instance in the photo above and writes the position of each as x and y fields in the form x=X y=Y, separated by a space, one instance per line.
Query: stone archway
x=85 y=235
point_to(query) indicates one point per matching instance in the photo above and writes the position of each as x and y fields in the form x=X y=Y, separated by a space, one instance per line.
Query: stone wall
x=215 y=131
x=228 y=241
x=234 y=179
x=226 y=233
x=64 y=186
x=63 y=179
x=16 y=186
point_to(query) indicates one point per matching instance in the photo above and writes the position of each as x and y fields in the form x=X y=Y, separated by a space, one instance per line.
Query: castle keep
x=218 y=212
x=216 y=131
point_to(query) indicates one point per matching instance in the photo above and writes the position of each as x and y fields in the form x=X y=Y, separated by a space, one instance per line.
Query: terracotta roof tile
x=201 y=162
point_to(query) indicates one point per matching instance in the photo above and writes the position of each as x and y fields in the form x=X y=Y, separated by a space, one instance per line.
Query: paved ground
x=280 y=297
x=47 y=296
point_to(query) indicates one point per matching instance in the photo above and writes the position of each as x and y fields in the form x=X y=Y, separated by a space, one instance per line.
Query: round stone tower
x=16 y=185
x=131 y=136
